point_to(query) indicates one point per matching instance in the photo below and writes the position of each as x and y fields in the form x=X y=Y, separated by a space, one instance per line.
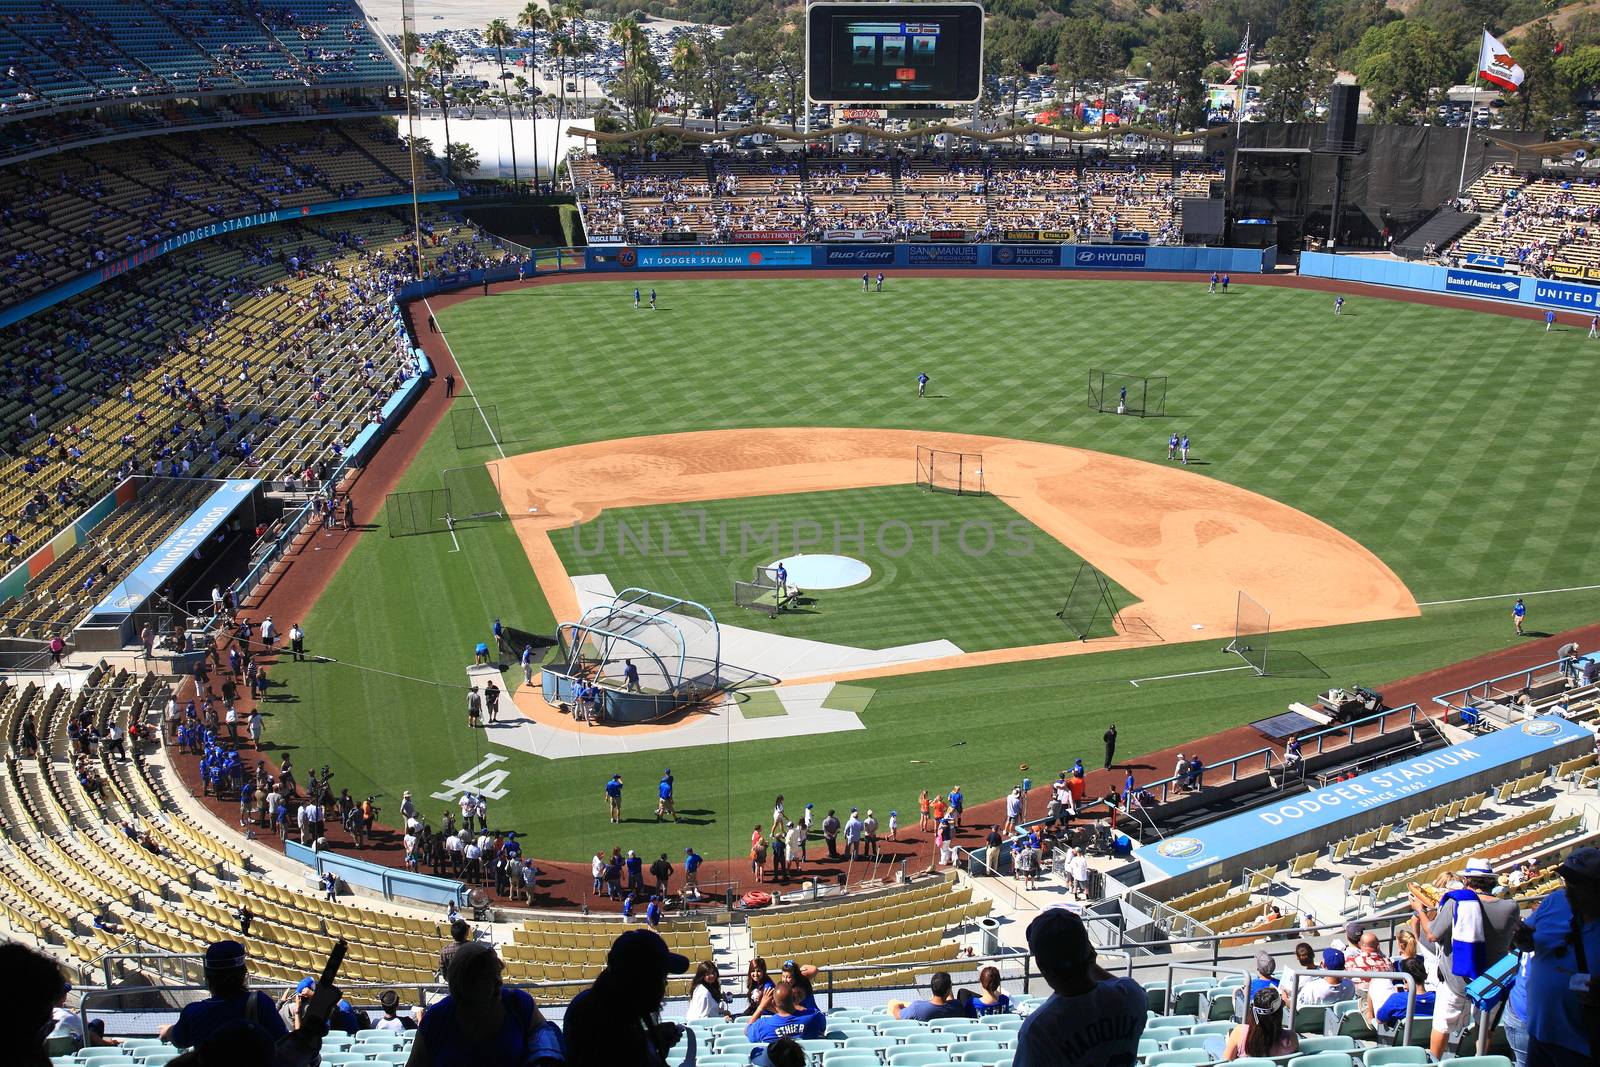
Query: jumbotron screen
x=894 y=53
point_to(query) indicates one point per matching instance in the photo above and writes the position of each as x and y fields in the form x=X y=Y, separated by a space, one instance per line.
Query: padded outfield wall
x=875 y=257
x=1455 y=281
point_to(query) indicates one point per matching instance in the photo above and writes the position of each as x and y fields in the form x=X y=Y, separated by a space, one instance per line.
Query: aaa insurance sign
x=1473 y=283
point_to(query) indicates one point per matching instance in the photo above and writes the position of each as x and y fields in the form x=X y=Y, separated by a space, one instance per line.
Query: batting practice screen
x=960 y=473
x=1127 y=394
x=475 y=425
x=474 y=491
x=423 y=511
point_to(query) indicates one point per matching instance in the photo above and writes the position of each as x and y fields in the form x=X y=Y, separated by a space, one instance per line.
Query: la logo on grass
x=479 y=780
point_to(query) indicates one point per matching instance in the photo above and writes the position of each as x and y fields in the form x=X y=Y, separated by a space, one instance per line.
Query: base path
x=1180 y=543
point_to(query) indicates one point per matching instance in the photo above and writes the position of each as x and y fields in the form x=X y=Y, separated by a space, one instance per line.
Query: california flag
x=1496 y=65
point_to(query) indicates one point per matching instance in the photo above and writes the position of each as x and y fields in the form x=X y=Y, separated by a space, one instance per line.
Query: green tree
x=1543 y=100
x=1403 y=65
x=440 y=59
x=500 y=36
x=1579 y=70
x=1178 y=55
x=717 y=75
x=1088 y=54
x=684 y=64
x=532 y=20
x=1294 y=78
x=461 y=157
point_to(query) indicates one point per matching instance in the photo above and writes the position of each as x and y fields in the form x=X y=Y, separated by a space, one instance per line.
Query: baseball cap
x=388 y=1000
x=1584 y=863
x=1332 y=959
x=645 y=948
x=224 y=956
x=1265 y=963
x=689 y=850
x=1058 y=938
x=305 y=984
x=1353 y=932
x=1478 y=867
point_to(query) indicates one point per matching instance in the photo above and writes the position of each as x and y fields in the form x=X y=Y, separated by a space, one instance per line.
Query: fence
x=1494 y=689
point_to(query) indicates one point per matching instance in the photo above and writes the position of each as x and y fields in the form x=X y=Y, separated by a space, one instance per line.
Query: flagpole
x=1472 y=117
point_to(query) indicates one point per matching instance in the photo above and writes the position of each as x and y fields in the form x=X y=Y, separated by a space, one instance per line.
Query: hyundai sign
x=1101 y=257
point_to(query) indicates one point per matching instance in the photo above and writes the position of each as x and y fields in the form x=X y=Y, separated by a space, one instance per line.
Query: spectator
x=781 y=1014
x=706 y=999
x=1090 y=1018
x=941 y=1003
x=231 y=1001
x=459 y=932
x=617 y=1020
x=1564 y=935
x=483 y=1023
x=1262 y=1034
x=1326 y=989
x=784 y=1052
x=1393 y=1009
x=757 y=983
x=661 y=871
x=391 y=1019
x=989 y=999
x=1368 y=958
x=1486 y=924
x=30 y=987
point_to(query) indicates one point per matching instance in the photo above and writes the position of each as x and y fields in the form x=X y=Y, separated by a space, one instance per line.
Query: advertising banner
x=857 y=235
x=1471 y=283
x=691 y=258
x=1100 y=257
x=1027 y=255
x=1566 y=294
x=1483 y=259
x=866 y=255
x=942 y=255
x=766 y=236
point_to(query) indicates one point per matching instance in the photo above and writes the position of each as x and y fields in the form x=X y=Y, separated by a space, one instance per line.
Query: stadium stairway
x=1438 y=232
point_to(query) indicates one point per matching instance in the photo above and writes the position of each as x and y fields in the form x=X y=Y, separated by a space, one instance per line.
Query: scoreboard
x=914 y=53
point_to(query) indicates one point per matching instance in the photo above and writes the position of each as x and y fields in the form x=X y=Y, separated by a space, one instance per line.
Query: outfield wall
x=1455 y=281
x=874 y=257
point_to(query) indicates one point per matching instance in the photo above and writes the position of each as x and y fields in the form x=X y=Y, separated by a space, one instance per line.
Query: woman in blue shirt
x=990 y=1001
x=484 y=1024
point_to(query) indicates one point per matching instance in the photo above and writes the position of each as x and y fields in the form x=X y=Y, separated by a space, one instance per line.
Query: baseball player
x=1338 y=306
x=636 y=299
x=1172 y=446
x=652 y=300
x=866 y=283
x=1225 y=283
x=880 y=281
x=1594 y=325
x=1519 y=611
x=1183 y=449
x=1549 y=321
x=922 y=385
x=1213 y=286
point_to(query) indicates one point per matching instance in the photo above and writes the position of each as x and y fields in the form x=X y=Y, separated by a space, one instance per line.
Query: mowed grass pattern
x=966 y=569
x=1455 y=445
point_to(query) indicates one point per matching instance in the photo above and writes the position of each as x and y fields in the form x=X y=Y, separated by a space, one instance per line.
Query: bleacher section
x=67 y=214
x=161 y=379
x=92 y=51
x=1540 y=225
x=628 y=200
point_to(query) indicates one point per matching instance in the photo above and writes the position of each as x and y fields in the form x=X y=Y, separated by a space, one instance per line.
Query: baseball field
x=1404 y=471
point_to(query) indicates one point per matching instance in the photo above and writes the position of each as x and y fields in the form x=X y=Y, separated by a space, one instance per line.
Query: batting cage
x=1127 y=394
x=940 y=471
x=475 y=425
x=674 y=644
x=474 y=492
x=1090 y=610
x=763 y=592
x=419 y=512
x=1252 y=633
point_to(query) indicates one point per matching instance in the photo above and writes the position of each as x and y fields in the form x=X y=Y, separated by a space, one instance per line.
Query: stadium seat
x=1404 y=1056
x=843 y=1058
x=918 y=1058
x=1162 y=1034
x=1187 y=1041
x=869 y=1044
x=339 y=1059
x=89 y=1055
x=897 y=1027
x=1481 y=1061
x=157 y=1057
x=1183 y=1021
x=720 y=1060
x=925 y=1038
x=1322 y=1059
x=1223 y=1028
x=1180 y=1056
x=1312 y=1020
x=1309 y=1045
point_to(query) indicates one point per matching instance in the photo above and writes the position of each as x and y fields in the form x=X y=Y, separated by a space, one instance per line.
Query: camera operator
x=1563 y=995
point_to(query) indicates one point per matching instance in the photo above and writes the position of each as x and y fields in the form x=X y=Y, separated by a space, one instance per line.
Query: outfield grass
x=1452 y=444
x=967 y=569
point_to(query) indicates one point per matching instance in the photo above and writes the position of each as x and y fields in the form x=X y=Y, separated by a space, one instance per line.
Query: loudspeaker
x=1343 y=103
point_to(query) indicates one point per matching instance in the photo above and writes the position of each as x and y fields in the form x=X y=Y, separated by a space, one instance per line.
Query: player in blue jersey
x=1183 y=449
x=636 y=298
x=664 y=803
x=1519 y=611
x=880 y=281
x=1225 y=280
x=922 y=384
x=652 y=300
x=1213 y=286
x=866 y=283
x=1172 y=446
x=1549 y=321
x=1338 y=306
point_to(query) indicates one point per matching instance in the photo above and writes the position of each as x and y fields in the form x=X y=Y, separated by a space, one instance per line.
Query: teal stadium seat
x=1183 y=1021
x=1322 y=1059
x=918 y=1058
x=1310 y=1045
x=1404 y=1056
x=1184 y=1056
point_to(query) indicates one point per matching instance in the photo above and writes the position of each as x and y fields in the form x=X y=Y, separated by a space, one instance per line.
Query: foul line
x=1506 y=596
x=471 y=391
x=1187 y=674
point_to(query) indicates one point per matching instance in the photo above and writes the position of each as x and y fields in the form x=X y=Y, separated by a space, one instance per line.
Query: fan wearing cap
x=782 y=1013
x=391 y=1019
x=484 y=1023
x=1472 y=928
x=231 y=1001
x=617 y=1020
x=1090 y=1018
x=1563 y=993
x=1326 y=989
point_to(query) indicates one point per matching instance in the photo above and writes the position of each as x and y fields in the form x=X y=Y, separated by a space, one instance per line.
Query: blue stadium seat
x=927 y=1039
x=1186 y=1041
x=1148 y=1048
x=151 y=1057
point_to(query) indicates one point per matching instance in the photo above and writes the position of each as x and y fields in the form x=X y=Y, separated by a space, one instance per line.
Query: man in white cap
x=1472 y=928
x=1090 y=1019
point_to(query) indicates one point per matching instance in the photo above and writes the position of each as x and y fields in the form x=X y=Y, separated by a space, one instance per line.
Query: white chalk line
x=460 y=370
x=1506 y=596
x=1187 y=674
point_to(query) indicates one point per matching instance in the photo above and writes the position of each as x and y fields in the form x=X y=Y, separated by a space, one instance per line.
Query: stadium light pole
x=408 y=42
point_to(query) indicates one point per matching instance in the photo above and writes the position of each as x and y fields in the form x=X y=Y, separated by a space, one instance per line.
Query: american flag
x=1240 y=62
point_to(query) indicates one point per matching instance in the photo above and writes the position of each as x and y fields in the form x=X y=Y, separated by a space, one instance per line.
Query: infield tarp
x=171 y=554
x=1383 y=793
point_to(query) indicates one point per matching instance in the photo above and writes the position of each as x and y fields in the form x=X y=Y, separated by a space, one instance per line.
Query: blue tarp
x=1258 y=829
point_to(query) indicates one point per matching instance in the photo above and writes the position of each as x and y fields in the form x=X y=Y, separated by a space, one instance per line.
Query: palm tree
x=685 y=66
x=440 y=60
x=498 y=35
x=533 y=19
x=584 y=46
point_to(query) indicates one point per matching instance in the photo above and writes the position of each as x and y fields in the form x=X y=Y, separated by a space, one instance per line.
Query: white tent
x=491 y=139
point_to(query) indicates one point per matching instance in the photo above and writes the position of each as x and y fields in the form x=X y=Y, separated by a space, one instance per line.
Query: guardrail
x=1458 y=699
